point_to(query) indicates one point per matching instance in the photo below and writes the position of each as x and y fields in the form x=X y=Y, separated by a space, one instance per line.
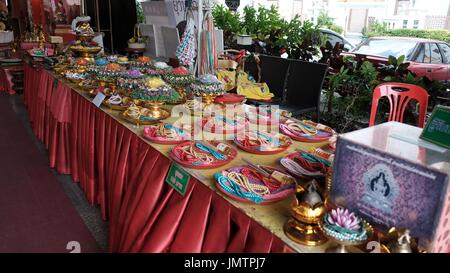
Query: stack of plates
x=11 y=61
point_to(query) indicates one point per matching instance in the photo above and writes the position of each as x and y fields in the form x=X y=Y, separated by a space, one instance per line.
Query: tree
x=324 y=20
x=140 y=13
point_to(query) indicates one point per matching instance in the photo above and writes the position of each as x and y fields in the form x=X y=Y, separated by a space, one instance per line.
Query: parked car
x=428 y=58
x=334 y=38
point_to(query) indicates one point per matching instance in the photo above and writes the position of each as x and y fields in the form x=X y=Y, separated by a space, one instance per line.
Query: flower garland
x=207 y=84
x=187 y=50
x=180 y=76
x=155 y=89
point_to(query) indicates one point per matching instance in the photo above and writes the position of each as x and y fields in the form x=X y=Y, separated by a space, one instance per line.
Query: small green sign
x=178 y=178
x=437 y=129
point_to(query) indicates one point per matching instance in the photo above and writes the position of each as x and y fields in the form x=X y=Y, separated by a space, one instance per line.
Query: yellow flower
x=153 y=83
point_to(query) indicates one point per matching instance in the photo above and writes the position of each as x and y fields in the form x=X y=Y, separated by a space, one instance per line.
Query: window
x=421 y=54
x=405 y=23
x=386 y=47
x=427 y=56
x=416 y=24
x=436 y=57
x=348 y=47
x=445 y=51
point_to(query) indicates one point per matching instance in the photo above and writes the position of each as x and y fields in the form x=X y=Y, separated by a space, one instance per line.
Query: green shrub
x=140 y=13
x=440 y=35
x=226 y=19
x=375 y=29
x=349 y=92
x=325 y=21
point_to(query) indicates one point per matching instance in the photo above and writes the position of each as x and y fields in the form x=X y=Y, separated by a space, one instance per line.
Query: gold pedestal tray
x=304 y=234
x=307 y=209
x=116 y=107
x=93 y=92
x=87 y=87
x=181 y=101
x=87 y=53
x=85 y=37
x=123 y=92
x=208 y=99
x=181 y=91
x=120 y=107
x=75 y=81
x=59 y=68
x=158 y=114
x=156 y=108
x=183 y=97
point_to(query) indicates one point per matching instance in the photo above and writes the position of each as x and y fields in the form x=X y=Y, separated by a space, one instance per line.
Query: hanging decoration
x=208 y=61
x=187 y=50
x=233 y=4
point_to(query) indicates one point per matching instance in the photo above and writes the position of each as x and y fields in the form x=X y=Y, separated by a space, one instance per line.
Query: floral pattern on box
x=389 y=191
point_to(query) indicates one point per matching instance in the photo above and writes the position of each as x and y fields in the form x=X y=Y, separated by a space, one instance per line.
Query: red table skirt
x=125 y=177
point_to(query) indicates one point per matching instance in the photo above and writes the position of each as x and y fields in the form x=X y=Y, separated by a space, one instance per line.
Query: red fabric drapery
x=125 y=177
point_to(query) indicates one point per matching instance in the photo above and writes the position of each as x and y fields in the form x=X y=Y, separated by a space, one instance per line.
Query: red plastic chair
x=399 y=95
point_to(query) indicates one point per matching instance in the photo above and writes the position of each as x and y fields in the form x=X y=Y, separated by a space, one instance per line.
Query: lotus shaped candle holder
x=346 y=229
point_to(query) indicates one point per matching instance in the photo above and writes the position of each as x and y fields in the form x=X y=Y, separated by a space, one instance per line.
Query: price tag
x=99 y=98
x=178 y=178
x=437 y=129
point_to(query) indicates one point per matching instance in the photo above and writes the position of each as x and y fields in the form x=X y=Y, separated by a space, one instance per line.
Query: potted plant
x=243 y=38
x=228 y=21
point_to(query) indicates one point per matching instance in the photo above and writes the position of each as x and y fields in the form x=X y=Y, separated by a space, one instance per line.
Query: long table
x=124 y=174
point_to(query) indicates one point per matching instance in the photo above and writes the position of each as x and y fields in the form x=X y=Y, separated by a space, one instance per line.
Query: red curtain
x=125 y=176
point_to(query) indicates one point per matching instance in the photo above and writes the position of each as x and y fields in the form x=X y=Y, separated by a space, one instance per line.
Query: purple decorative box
x=392 y=179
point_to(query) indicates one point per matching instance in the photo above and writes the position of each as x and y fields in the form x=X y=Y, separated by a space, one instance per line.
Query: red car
x=428 y=58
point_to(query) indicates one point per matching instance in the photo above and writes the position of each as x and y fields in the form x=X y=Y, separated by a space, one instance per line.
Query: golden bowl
x=85 y=37
x=85 y=52
x=59 y=68
x=87 y=86
x=75 y=81
x=304 y=213
x=163 y=114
